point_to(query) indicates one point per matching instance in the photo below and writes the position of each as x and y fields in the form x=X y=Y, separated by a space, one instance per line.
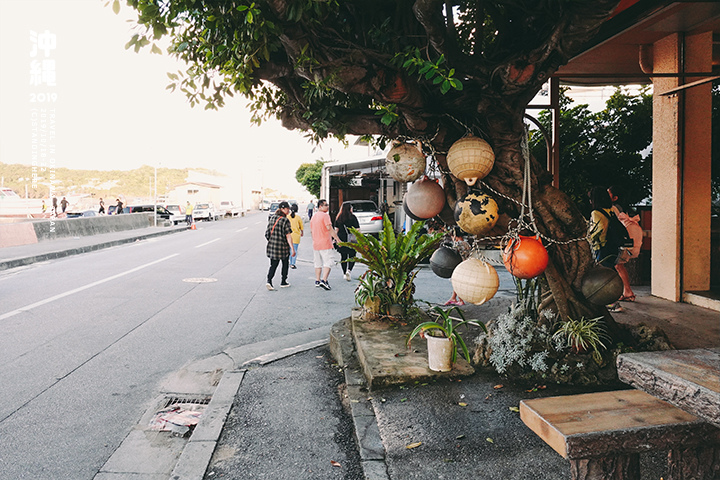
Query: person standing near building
x=344 y=220
x=297 y=232
x=280 y=245
x=323 y=234
x=188 y=213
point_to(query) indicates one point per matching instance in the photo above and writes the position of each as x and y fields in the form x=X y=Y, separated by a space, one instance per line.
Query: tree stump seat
x=603 y=433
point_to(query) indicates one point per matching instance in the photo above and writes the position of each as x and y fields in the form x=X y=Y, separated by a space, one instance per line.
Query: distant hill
x=137 y=183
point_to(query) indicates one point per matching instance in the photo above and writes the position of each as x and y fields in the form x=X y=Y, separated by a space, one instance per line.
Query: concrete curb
x=196 y=455
x=367 y=432
x=18 y=262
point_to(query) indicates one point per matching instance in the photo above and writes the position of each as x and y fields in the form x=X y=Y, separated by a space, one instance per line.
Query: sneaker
x=284 y=285
x=325 y=285
x=615 y=308
x=317 y=283
x=269 y=286
x=347 y=276
x=293 y=267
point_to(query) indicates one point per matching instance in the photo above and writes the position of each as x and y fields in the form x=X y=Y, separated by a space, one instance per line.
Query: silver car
x=368 y=215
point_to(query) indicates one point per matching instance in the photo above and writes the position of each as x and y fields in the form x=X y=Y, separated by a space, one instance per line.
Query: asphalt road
x=86 y=341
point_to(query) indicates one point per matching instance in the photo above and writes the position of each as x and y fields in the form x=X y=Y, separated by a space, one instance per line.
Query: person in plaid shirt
x=280 y=245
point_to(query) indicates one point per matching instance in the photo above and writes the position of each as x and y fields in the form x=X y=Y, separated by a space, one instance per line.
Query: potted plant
x=443 y=337
x=392 y=258
x=583 y=335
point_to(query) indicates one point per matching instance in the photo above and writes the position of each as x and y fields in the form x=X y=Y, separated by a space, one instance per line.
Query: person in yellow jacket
x=297 y=231
x=188 y=213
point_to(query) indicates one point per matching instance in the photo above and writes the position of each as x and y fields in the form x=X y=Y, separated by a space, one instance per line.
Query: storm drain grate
x=184 y=401
x=180 y=415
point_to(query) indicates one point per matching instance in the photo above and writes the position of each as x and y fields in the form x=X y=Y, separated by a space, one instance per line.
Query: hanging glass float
x=424 y=199
x=476 y=213
x=470 y=159
x=405 y=162
x=525 y=257
x=475 y=281
x=444 y=260
x=602 y=285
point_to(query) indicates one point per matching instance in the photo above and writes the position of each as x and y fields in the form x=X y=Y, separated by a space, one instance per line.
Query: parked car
x=205 y=211
x=368 y=215
x=85 y=213
x=273 y=208
x=178 y=214
x=228 y=209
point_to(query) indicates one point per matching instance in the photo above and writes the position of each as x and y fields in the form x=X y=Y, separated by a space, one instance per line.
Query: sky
x=111 y=107
x=112 y=111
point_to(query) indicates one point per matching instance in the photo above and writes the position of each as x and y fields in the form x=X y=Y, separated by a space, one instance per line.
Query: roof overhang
x=612 y=57
x=356 y=167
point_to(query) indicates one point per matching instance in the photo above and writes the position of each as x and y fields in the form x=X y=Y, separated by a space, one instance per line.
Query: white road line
x=257 y=223
x=207 y=243
x=80 y=289
x=241 y=229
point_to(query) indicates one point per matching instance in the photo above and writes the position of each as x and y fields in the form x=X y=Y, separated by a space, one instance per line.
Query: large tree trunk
x=556 y=216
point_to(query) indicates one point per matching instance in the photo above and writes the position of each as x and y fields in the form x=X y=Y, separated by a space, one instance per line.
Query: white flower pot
x=440 y=352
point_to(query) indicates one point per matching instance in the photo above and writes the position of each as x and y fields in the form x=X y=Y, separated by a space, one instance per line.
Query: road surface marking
x=241 y=229
x=80 y=289
x=207 y=243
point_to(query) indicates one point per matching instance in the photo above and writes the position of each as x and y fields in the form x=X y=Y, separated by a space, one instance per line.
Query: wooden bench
x=603 y=433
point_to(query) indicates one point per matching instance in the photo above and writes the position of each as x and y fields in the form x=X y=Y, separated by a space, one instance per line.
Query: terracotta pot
x=424 y=199
x=475 y=281
x=405 y=162
x=443 y=261
x=525 y=258
x=440 y=352
x=602 y=285
x=470 y=159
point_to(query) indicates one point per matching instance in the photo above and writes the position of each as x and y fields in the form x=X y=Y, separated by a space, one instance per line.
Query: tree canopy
x=421 y=69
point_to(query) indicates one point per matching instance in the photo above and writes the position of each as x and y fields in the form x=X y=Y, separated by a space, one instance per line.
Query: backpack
x=617 y=236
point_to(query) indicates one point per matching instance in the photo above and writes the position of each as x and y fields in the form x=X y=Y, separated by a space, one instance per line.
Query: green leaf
x=116 y=7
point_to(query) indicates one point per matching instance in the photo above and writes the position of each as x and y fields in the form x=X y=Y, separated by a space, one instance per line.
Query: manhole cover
x=200 y=280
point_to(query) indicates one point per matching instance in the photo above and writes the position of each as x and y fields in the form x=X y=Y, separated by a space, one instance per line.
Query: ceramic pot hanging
x=475 y=281
x=424 y=199
x=470 y=159
x=444 y=260
x=476 y=213
x=525 y=257
x=405 y=162
x=602 y=285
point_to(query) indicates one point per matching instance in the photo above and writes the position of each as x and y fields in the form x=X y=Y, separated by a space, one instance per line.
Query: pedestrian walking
x=345 y=220
x=297 y=232
x=63 y=204
x=310 y=209
x=101 y=210
x=280 y=245
x=118 y=207
x=54 y=205
x=323 y=234
x=44 y=207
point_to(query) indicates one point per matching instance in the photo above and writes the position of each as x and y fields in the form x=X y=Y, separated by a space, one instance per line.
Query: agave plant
x=446 y=326
x=393 y=257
